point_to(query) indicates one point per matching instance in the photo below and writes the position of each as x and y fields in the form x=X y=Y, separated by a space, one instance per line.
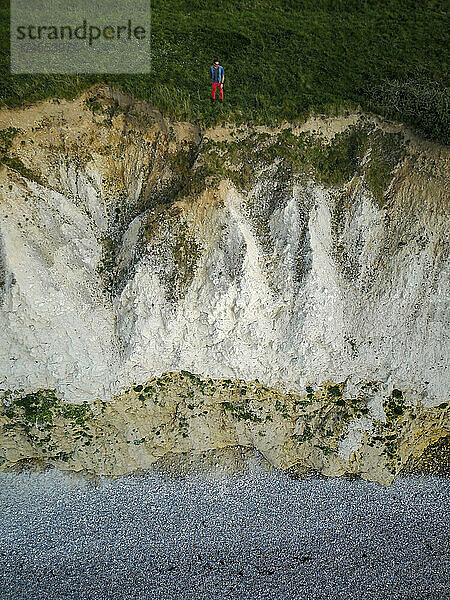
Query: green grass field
x=283 y=60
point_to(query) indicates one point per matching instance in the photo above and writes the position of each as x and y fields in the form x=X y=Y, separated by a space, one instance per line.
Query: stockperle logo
x=78 y=36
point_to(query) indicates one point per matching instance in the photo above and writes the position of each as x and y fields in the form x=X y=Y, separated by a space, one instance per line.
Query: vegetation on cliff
x=283 y=60
x=183 y=413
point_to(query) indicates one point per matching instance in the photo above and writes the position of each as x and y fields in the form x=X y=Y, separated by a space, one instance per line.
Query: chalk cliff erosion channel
x=170 y=292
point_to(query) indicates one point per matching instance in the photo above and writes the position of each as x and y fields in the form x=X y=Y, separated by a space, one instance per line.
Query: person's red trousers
x=214 y=90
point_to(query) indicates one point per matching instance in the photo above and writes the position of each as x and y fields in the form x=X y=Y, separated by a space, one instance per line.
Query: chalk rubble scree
x=168 y=291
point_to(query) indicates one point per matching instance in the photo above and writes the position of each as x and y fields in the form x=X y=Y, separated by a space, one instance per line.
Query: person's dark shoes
x=212 y=101
x=221 y=100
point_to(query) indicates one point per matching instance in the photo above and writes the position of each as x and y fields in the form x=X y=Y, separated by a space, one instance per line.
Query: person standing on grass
x=217 y=77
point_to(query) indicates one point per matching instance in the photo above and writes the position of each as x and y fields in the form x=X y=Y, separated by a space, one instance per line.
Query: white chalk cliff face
x=132 y=246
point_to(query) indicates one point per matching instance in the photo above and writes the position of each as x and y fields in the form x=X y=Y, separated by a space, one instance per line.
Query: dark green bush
x=421 y=103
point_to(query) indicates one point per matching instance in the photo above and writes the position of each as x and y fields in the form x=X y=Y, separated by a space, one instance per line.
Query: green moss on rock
x=168 y=235
x=185 y=412
x=331 y=164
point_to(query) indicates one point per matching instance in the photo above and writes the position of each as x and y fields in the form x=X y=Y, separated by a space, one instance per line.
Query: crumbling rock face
x=303 y=257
